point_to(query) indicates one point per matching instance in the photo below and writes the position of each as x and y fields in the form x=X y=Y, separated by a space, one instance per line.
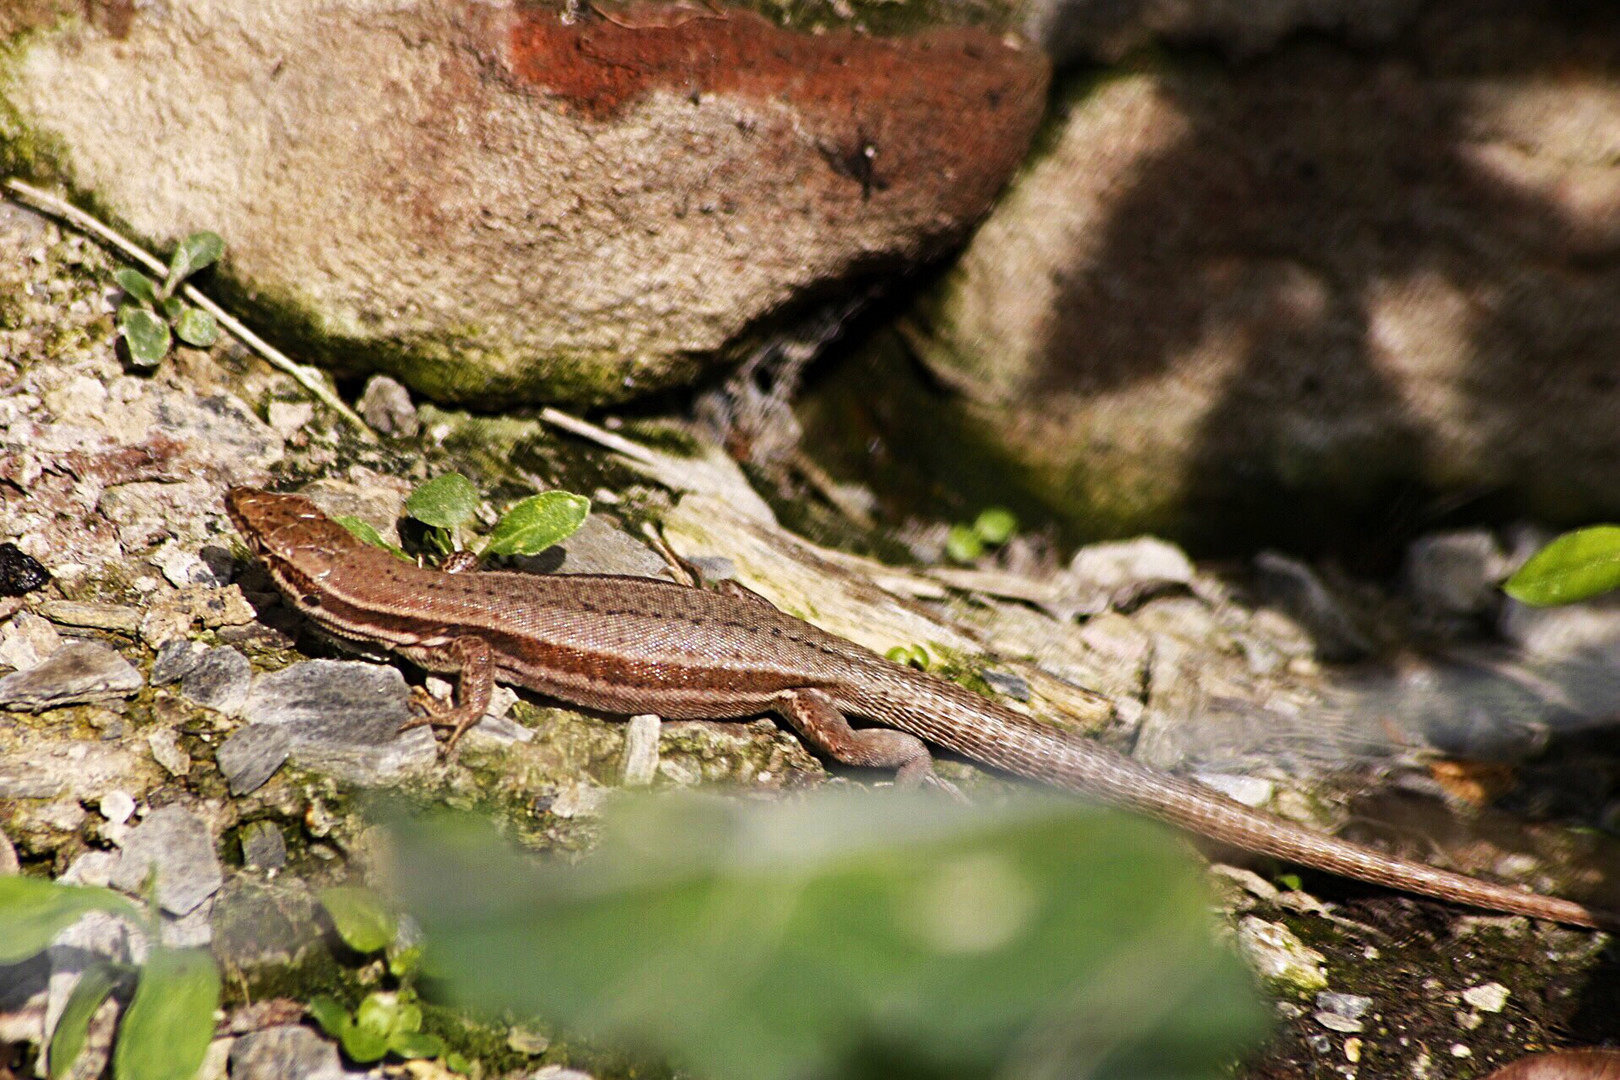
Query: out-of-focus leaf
x=789 y=940
x=415 y=1044
x=962 y=544
x=1575 y=566
x=330 y=1014
x=146 y=335
x=537 y=523
x=995 y=525
x=191 y=255
x=33 y=911
x=170 y=1022
x=445 y=501
x=362 y=920
x=73 y=1026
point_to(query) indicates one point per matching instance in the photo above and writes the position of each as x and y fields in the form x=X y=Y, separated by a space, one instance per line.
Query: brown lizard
x=639 y=645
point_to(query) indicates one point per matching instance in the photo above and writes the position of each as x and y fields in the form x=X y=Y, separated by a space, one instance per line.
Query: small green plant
x=993 y=527
x=447 y=503
x=386 y=1021
x=151 y=309
x=911 y=655
x=1575 y=566
x=169 y=1020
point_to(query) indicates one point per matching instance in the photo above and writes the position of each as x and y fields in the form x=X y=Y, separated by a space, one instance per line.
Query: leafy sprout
x=1576 y=566
x=446 y=504
x=151 y=310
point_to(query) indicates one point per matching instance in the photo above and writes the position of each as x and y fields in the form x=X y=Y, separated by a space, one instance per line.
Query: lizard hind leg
x=822 y=724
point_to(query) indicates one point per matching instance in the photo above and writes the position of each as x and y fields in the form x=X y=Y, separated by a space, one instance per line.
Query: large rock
x=1277 y=293
x=489 y=200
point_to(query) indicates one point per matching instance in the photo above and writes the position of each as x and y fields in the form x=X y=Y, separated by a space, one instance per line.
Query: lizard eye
x=312 y=600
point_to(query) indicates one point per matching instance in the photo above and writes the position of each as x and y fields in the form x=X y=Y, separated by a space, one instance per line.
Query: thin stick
x=309 y=378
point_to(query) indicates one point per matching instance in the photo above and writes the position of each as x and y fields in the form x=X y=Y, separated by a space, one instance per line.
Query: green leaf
x=73 y=1026
x=196 y=327
x=363 y=1044
x=445 y=501
x=380 y=1012
x=537 y=523
x=1575 y=566
x=136 y=284
x=790 y=940
x=191 y=255
x=415 y=1044
x=172 y=307
x=170 y=1022
x=370 y=535
x=962 y=544
x=145 y=333
x=995 y=526
x=331 y=1015
x=362 y=920
x=33 y=911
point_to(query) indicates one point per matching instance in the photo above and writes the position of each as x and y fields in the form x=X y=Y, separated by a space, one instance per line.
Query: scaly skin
x=638 y=645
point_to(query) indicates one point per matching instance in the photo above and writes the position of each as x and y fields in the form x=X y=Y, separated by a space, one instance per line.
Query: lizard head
x=289 y=534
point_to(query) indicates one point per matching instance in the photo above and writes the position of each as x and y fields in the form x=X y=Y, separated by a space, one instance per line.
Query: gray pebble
x=289 y=1052
x=1456 y=573
x=177 y=844
x=1294 y=587
x=77 y=672
x=252 y=755
x=337 y=717
x=1009 y=683
x=263 y=846
x=386 y=405
x=640 y=762
x=175 y=658
x=219 y=680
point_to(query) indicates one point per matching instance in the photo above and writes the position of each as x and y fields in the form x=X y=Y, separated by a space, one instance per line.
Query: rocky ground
x=165 y=710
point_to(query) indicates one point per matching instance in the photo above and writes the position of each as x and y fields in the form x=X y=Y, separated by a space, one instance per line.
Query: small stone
x=1352 y=1006
x=177 y=844
x=1248 y=790
x=1119 y=563
x=117 y=806
x=289 y=1052
x=558 y=1072
x=1295 y=588
x=288 y=418
x=579 y=800
x=251 y=756
x=263 y=846
x=8 y=856
x=91 y=868
x=1334 y=1022
x=1276 y=953
x=338 y=717
x=175 y=658
x=640 y=751
x=1007 y=683
x=1456 y=573
x=386 y=405
x=167 y=751
x=26 y=640
x=219 y=680
x=184 y=567
x=78 y=672
x=118 y=617
x=1489 y=997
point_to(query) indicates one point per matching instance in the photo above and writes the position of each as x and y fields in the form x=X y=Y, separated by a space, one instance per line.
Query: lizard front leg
x=822 y=724
x=471 y=657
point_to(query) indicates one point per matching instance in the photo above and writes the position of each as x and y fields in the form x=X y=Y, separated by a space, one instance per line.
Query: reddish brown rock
x=492 y=203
